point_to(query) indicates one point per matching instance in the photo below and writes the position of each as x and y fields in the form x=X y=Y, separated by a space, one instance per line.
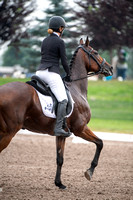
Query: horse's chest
x=82 y=110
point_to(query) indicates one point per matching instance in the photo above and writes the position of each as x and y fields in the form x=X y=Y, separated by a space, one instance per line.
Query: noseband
x=89 y=53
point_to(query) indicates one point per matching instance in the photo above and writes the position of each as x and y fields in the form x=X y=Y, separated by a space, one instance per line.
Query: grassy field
x=7 y=80
x=111 y=105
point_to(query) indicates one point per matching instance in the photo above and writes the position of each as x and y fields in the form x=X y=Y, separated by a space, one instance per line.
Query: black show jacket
x=52 y=50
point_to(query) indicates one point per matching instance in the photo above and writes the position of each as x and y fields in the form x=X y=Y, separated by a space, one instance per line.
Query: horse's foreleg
x=60 y=143
x=88 y=135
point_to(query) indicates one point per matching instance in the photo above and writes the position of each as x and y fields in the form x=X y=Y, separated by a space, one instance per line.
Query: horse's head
x=93 y=61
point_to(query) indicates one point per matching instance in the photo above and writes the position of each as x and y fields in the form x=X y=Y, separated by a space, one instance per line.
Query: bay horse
x=20 y=107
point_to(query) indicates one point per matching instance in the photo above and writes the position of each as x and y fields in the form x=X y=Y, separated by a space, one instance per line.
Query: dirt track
x=28 y=165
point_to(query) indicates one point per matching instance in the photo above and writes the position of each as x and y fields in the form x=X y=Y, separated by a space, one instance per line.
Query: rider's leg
x=61 y=113
x=57 y=87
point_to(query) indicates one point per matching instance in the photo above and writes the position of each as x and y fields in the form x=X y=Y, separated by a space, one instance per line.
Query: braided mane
x=73 y=57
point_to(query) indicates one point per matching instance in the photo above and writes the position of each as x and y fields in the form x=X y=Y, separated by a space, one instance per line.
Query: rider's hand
x=68 y=78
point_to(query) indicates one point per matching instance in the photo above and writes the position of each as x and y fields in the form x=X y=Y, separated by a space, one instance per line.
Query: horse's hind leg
x=10 y=124
x=88 y=135
x=60 y=143
x=4 y=141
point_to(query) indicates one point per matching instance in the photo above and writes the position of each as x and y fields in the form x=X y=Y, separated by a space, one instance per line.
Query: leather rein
x=89 y=53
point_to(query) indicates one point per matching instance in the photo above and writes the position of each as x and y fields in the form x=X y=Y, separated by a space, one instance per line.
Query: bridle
x=89 y=53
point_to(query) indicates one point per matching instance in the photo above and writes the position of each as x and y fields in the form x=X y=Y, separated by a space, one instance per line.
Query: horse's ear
x=81 y=41
x=87 y=42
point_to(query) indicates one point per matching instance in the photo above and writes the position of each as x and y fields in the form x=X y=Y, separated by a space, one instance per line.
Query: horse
x=20 y=107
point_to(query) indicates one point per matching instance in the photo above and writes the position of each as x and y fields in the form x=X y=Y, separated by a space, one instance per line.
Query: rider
x=52 y=50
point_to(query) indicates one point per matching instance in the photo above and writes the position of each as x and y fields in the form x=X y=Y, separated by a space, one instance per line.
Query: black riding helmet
x=56 y=22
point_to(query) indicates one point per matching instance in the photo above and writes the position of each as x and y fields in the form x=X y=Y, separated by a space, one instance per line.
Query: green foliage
x=13 y=56
x=105 y=22
x=12 y=18
x=30 y=45
x=106 y=25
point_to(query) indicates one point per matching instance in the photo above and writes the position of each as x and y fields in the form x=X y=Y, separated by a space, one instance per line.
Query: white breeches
x=55 y=83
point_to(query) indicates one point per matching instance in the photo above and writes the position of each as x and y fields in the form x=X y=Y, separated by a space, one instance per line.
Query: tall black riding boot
x=61 y=113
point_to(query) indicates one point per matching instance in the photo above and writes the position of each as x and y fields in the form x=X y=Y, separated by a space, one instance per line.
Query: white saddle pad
x=47 y=105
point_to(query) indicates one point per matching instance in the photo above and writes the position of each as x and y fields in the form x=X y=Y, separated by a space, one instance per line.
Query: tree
x=59 y=7
x=31 y=44
x=13 y=56
x=13 y=15
x=108 y=23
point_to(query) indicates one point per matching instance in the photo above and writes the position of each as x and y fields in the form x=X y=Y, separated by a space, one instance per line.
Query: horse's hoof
x=60 y=185
x=88 y=174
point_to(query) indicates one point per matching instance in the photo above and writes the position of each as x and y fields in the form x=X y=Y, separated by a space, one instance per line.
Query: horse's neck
x=78 y=71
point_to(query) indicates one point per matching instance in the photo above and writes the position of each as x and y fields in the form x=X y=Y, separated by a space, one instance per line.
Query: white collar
x=56 y=34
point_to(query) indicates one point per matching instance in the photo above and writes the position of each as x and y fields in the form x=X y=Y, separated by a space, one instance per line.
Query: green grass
x=111 y=105
x=112 y=126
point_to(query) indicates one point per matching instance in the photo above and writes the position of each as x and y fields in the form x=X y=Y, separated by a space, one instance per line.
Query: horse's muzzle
x=108 y=70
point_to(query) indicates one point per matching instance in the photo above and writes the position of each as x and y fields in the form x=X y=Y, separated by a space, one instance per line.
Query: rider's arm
x=64 y=58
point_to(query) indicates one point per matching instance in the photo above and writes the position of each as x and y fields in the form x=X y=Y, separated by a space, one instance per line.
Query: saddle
x=44 y=89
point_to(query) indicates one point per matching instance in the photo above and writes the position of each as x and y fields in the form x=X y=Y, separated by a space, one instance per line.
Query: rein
x=90 y=55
